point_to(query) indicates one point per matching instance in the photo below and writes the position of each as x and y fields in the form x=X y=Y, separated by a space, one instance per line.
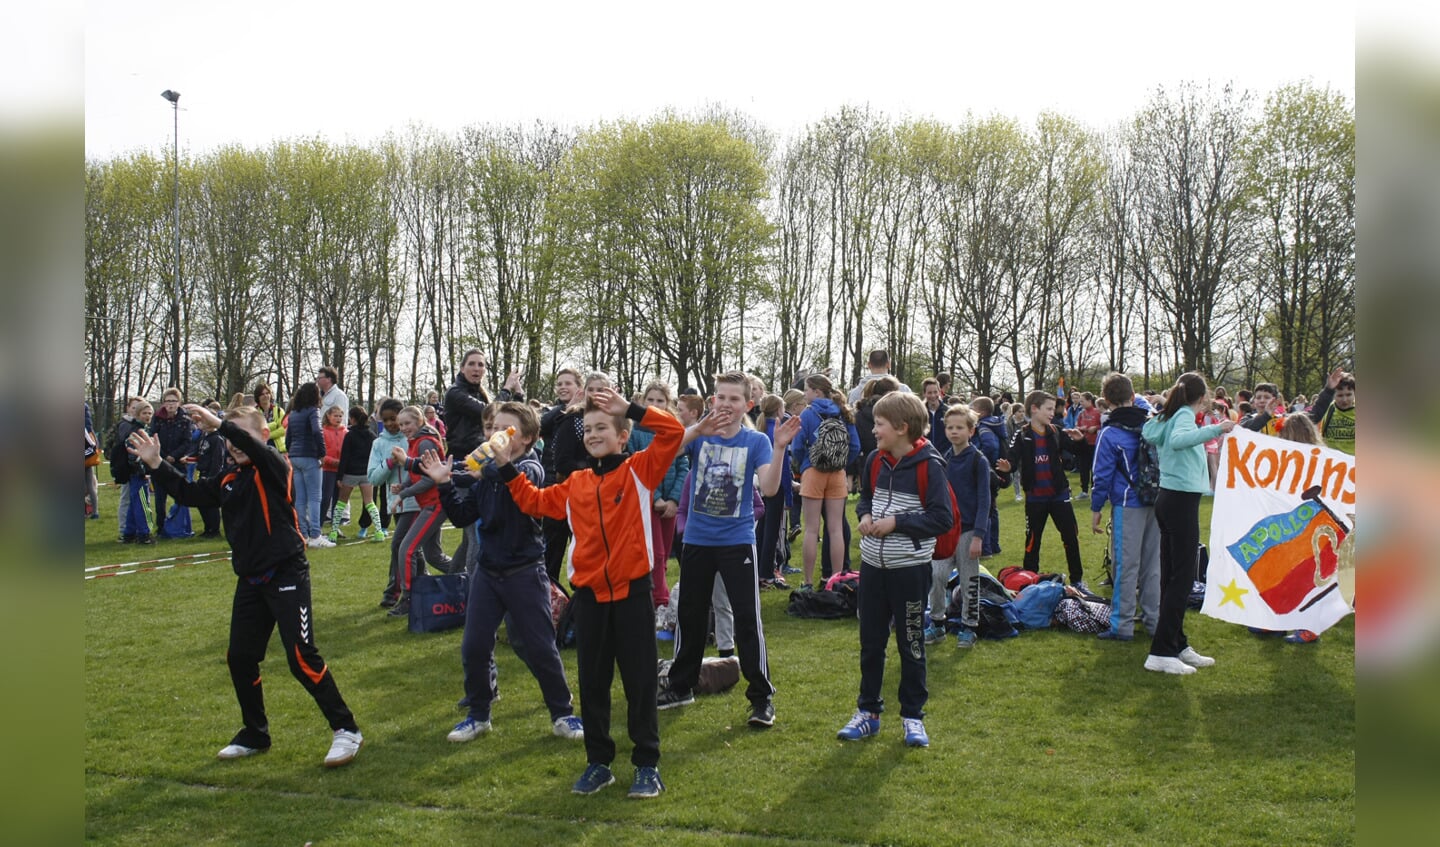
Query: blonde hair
x=247 y=415
x=904 y=409
x=414 y=411
x=960 y=410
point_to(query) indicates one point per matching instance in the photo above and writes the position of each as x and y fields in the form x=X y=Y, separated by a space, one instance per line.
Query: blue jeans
x=307 y=494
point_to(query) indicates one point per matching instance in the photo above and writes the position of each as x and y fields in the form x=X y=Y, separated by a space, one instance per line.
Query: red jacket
x=609 y=507
x=334 y=438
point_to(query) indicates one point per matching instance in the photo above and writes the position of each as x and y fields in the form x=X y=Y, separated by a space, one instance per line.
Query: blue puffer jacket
x=303 y=436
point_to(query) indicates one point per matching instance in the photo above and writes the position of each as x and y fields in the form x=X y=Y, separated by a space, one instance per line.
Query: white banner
x=1280 y=542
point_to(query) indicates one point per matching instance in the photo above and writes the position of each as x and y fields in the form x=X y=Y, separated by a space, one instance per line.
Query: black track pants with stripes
x=283 y=601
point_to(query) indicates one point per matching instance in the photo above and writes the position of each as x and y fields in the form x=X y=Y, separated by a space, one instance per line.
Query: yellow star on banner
x=1233 y=593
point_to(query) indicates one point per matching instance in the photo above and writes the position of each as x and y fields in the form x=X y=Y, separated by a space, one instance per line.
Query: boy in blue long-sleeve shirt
x=968 y=472
x=1135 y=534
x=509 y=577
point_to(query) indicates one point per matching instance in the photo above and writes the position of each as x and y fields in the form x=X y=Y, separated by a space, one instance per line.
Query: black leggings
x=1178 y=513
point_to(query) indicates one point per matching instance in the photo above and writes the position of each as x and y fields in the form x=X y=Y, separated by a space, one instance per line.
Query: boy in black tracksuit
x=1035 y=449
x=273 y=585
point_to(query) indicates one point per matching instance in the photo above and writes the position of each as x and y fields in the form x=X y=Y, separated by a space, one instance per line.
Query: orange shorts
x=823 y=485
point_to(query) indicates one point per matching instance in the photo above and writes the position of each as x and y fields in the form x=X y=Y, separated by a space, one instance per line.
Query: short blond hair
x=247 y=416
x=960 y=410
x=900 y=408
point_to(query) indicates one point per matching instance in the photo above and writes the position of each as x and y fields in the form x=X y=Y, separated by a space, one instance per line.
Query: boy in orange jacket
x=608 y=506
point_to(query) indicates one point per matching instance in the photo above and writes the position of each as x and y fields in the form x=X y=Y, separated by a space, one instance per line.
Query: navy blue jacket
x=969 y=475
x=509 y=538
x=303 y=438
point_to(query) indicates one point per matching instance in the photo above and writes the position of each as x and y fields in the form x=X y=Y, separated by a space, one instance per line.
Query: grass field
x=1049 y=738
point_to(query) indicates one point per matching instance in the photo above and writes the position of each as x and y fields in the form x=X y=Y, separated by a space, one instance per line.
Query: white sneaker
x=238 y=751
x=320 y=541
x=1167 y=664
x=1195 y=660
x=570 y=727
x=468 y=730
x=343 y=748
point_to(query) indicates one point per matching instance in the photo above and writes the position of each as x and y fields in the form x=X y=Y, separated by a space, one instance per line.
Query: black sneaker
x=126 y=539
x=387 y=601
x=401 y=609
x=762 y=716
x=145 y=539
x=670 y=698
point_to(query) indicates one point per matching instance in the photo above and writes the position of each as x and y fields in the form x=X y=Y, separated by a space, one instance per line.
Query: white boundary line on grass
x=95 y=572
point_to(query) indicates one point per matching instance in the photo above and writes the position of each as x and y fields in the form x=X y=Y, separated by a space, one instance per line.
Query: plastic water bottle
x=487 y=451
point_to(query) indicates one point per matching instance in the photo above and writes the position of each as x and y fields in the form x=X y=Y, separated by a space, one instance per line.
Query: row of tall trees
x=1212 y=232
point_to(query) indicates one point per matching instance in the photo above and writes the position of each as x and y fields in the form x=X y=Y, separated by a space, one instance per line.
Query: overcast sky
x=252 y=72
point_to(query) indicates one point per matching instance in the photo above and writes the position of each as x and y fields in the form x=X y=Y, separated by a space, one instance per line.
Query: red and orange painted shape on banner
x=1289 y=556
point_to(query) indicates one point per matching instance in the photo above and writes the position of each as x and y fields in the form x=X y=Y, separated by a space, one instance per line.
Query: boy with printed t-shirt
x=1035 y=451
x=720 y=539
x=272 y=588
x=898 y=526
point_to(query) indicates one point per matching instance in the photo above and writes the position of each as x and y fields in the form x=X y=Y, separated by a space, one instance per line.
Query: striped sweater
x=895 y=492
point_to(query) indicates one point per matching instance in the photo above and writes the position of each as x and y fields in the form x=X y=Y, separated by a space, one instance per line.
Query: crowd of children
x=599 y=482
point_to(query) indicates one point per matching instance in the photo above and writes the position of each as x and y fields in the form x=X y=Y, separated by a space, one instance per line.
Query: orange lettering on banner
x=1288 y=459
x=1289 y=471
x=1264 y=479
x=1237 y=463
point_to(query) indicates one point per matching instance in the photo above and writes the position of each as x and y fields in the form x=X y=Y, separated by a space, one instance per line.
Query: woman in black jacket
x=465 y=404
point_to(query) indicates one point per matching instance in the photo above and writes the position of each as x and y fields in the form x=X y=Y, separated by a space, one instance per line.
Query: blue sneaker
x=595 y=777
x=570 y=727
x=363 y=533
x=915 y=733
x=863 y=725
x=1114 y=635
x=647 y=783
x=468 y=730
x=965 y=638
x=934 y=634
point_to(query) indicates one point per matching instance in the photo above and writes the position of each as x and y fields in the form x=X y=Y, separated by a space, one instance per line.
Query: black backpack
x=830 y=451
x=825 y=605
x=1145 y=477
x=117 y=457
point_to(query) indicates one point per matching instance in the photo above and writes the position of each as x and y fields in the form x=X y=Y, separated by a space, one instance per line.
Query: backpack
x=830 y=451
x=117 y=457
x=1035 y=604
x=1145 y=477
x=947 y=542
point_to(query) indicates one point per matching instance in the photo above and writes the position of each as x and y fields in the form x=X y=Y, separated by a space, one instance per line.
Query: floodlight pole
x=174 y=98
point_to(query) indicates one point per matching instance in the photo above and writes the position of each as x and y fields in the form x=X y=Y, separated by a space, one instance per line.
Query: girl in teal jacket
x=1184 y=477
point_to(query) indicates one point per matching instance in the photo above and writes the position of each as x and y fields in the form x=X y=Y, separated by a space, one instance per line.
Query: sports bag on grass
x=819 y=604
x=437 y=603
x=1035 y=604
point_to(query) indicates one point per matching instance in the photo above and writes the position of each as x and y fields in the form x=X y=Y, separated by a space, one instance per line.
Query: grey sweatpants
x=1136 y=553
x=966 y=570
